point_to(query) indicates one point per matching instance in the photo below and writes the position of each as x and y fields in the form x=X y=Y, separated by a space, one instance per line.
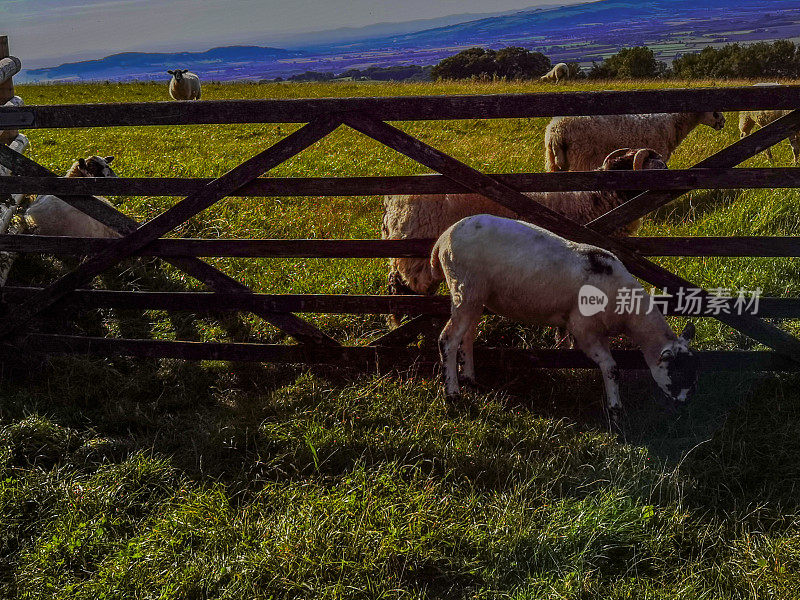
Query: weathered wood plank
x=536 y=213
x=740 y=246
x=330 y=303
x=166 y=221
x=407 y=108
x=781 y=177
x=728 y=157
x=217 y=280
x=387 y=356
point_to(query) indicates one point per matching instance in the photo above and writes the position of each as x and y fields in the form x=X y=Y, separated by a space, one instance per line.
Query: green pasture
x=125 y=478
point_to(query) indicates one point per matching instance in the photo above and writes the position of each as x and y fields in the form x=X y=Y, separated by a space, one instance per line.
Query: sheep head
x=178 y=73
x=676 y=369
x=94 y=166
x=715 y=120
x=633 y=159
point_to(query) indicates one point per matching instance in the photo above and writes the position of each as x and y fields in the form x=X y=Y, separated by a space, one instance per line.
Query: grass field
x=161 y=479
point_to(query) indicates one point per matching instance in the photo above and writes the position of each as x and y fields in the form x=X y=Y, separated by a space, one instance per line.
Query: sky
x=49 y=32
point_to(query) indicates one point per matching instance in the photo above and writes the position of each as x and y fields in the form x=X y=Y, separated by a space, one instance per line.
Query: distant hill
x=593 y=30
x=578 y=32
x=218 y=63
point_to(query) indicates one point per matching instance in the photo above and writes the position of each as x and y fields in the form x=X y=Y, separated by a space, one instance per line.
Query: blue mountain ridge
x=579 y=32
x=144 y=61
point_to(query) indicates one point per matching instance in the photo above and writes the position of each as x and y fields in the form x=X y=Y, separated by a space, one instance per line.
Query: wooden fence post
x=7 y=86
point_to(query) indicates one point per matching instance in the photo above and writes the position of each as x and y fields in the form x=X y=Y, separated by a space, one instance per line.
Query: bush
x=509 y=63
x=760 y=60
x=629 y=63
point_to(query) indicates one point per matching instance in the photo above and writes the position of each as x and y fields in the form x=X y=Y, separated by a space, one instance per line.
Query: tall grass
x=161 y=479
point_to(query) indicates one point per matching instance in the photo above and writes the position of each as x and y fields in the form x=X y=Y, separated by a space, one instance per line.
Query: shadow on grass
x=695 y=206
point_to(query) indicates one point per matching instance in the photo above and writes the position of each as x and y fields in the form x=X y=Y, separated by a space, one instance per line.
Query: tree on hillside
x=510 y=63
x=757 y=61
x=638 y=62
x=473 y=62
x=518 y=63
x=574 y=70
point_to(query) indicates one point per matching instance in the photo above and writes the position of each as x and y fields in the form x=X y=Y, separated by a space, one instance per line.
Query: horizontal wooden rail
x=741 y=246
x=781 y=177
x=405 y=108
x=782 y=308
x=505 y=358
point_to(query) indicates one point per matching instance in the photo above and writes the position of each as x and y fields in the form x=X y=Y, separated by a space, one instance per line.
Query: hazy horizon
x=48 y=32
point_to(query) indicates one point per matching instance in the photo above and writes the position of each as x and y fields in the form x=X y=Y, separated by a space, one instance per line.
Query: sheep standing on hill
x=49 y=215
x=184 y=85
x=750 y=119
x=528 y=274
x=427 y=216
x=581 y=143
x=557 y=73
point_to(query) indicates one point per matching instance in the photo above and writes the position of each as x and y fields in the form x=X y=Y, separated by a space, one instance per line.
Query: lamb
x=49 y=215
x=184 y=85
x=581 y=143
x=557 y=73
x=428 y=216
x=528 y=274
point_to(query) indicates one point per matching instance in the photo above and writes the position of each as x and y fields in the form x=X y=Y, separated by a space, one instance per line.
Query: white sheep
x=581 y=143
x=557 y=73
x=49 y=215
x=749 y=119
x=427 y=216
x=528 y=274
x=184 y=85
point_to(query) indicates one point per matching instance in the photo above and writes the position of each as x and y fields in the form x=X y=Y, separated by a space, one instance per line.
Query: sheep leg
x=461 y=320
x=794 y=140
x=597 y=349
x=466 y=357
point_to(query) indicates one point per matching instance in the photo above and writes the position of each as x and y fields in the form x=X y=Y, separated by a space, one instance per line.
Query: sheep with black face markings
x=49 y=215
x=529 y=274
x=581 y=143
x=427 y=216
x=184 y=85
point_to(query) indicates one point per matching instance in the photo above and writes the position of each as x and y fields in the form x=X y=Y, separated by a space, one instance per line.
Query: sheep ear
x=688 y=332
x=108 y=159
x=171 y=72
x=82 y=163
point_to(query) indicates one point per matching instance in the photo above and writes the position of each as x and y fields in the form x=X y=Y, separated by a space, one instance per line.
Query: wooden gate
x=370 y=116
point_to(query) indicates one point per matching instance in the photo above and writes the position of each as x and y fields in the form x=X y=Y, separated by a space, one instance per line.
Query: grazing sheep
x=49 y=215
x=557 y=73
x=581 y=143
x=427 y=216
x=184 y=85
x=528 y=274
x=749 y=119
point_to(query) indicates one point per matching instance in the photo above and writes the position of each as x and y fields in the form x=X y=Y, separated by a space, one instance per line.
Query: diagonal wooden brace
x=558 y=224
x=137 y=238
x=729 y=157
